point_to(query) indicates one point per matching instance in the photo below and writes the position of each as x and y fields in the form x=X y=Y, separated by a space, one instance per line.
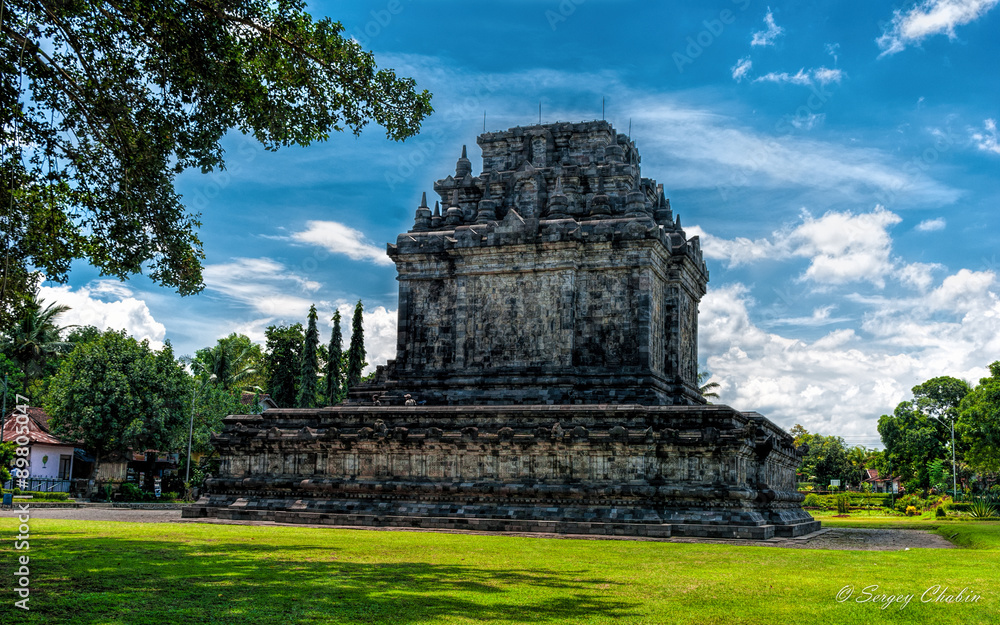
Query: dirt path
x=829 y=538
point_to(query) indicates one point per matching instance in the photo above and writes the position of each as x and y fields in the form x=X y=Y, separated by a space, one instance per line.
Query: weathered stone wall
x=684 y=470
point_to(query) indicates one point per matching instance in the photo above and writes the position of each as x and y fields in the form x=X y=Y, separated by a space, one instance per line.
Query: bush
x=911 y=510
x=813 y=501
x=170 y=495
x=910 y=501
x=939 y=512
x=843 y=504
x=981 y=510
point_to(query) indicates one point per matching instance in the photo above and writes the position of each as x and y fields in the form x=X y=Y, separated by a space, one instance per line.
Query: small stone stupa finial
x=600 y=204
x=464 y=166
x=453 y=216
x=422 y=221
x=487 y=206
x=558 y=202
x=436 y=218
x=635 y=204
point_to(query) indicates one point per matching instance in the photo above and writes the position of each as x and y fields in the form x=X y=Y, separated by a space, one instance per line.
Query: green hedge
x=855 y=500
x=41 y=496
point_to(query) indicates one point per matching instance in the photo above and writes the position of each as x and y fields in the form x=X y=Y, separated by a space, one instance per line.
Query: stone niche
x=545 y=377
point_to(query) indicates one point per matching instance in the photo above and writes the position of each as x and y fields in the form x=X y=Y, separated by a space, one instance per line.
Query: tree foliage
x=116 y=394
x=979 y=423
x=104 y=103
x=829 y=458
x=235 y=361
x=34 y=340
x=335 y=364
x=356 y=351
x=283 y=362
x=309 y=370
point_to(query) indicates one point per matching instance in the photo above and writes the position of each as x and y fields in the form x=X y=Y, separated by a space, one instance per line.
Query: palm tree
x=35 y=338
x=707 y=390
x=233 y=361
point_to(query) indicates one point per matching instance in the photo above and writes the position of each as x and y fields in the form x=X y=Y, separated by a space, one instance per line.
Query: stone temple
x=545 y=378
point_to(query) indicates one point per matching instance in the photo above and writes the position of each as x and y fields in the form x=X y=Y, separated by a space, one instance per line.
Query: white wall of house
x=50 y=468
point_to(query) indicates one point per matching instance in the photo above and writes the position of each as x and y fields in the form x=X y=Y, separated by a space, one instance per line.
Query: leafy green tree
x=335 y=364
x=283 y=361
x=116 y=98
x=912 y=440
x=83 y=334
x=116 y=394
x=979 y=423
x=6 y=461
x=235 y=362
x=309 y=370
x=356 y=351
x=827 y=459
x=15 y=378
x=34 y=340
x=212 y=404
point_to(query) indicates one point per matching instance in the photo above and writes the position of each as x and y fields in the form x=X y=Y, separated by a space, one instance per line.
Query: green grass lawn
x=106 y=572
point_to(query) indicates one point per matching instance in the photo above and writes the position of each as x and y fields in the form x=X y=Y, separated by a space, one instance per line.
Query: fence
x=42 y=484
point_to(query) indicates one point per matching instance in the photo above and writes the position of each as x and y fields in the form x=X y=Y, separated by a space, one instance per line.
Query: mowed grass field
x=156 y=573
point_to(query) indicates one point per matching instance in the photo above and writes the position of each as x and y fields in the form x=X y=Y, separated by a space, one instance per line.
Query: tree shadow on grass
x=86 y=579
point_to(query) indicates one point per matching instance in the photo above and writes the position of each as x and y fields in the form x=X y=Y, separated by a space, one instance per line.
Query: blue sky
x=840 y=166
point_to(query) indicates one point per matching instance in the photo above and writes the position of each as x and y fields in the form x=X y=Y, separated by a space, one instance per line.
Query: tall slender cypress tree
x=309 y=370
x=334 y=364
x=356 y=352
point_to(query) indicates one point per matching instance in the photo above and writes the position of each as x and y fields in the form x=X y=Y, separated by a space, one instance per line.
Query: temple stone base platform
x=657 y=471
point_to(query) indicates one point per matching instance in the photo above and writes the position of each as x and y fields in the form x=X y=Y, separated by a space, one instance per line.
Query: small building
x=882 y=485
x=50 y=459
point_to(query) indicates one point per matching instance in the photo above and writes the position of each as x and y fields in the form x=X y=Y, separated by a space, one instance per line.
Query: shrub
x=911 y=510
x=910 y=500
x=843 y=504
x=813 y=501
x=939 y=512
x=131 y=492
x=170 y=495
x=981 y=510
x=17 y=491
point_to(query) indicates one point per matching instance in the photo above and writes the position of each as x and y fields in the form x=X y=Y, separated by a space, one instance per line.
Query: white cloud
x=918 y=275
x=741 y=68
x=264 y=285
x=844 y=247
x=767 y=37
x=987 y=140
x=808 y=121
x=841 y=247
x=719 y=154
x=106 y=304
x=804 y=77
x=820 y=317
x=930 y=225
x=340 y=239
x=843 y=381
x=928 y=18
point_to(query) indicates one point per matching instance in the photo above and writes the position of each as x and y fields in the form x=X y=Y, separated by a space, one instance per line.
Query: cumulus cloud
x=841 y=247
x=930 y=225
x=987 y=140
x=340 y=239
x=767 y=37
x=804 y=77
x=928 y=18
x=741 y=68
x=844 y=380
x=106 y=304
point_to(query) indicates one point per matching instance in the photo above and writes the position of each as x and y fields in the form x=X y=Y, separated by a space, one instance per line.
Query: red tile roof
x=38 y=430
